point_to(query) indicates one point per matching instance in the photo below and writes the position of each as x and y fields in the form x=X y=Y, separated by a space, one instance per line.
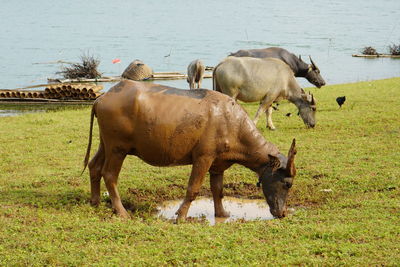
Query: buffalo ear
x=290 y=168
x=274 y=162
x=313 y=102
x=305 y=97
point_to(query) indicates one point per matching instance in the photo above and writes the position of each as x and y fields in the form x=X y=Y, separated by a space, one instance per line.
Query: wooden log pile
x=64 y=92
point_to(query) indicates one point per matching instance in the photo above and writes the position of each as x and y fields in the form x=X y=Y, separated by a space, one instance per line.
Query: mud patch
x=203 y=209
x=174 y=191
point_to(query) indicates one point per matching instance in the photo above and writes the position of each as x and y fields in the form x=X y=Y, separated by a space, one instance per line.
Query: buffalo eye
x=288 y=185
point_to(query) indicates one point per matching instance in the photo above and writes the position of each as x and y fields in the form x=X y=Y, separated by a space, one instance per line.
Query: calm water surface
x=167 y=35
x=203 y=208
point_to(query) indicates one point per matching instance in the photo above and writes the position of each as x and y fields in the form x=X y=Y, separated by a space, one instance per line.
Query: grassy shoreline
x=346 y=195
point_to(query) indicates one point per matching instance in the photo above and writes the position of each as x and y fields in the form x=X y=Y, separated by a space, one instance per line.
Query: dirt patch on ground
x=175 y=191
x=247 y=190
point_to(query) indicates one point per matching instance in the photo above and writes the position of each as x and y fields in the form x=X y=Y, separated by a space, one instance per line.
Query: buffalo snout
x=320 y=84
x=279 y=214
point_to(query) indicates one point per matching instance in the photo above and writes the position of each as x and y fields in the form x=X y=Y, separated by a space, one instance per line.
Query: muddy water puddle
x=203 y=208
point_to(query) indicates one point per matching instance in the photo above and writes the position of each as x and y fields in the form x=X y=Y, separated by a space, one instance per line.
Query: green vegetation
x=346 y=195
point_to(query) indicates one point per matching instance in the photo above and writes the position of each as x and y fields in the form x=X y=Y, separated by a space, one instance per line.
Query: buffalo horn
x=312 y=62
x=291 y=169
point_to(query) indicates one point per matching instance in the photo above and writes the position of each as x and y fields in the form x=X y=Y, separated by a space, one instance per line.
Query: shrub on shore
x=87 y=69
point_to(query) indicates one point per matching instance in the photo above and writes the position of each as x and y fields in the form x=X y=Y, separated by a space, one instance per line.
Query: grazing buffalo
x=267 y=80
x=165 y=126
x=300 y=68
x=195 y=73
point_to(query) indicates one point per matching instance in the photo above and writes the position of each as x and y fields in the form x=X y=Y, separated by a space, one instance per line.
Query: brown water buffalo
x=300 y=68
x=165 y=126
x=195 y=73
x=267 y=80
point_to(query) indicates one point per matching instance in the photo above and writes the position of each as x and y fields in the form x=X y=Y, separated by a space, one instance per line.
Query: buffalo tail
x=86 y=160
x=214 y=78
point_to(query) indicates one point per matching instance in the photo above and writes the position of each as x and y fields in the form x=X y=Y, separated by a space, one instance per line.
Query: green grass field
x=346 y=195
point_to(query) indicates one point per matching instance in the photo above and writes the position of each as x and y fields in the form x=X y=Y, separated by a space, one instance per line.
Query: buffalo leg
x=266 y=103
x=268 y=114
x=110 y=172
x=95 y=167
x=216 y=183
x=192 y=84
x=199 y=170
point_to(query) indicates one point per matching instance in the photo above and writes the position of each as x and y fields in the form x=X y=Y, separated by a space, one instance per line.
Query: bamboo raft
x=376 y=56
x=54 y=93
x=172 y=75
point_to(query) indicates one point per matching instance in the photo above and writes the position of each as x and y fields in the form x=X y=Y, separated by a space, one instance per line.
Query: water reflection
x=203 y=208
x=7 y=110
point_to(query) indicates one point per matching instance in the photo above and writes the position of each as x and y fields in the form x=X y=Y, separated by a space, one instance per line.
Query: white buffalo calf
x=195 y=73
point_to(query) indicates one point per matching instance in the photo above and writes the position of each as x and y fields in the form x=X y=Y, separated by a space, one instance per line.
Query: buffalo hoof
x=222 y=214
x=122 y=214
x=271 y=128
x=180 y=217
x=95 y=202
x=179 y=220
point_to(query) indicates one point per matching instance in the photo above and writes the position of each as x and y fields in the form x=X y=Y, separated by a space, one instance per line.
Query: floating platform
x=173 y=75
x=376 y=56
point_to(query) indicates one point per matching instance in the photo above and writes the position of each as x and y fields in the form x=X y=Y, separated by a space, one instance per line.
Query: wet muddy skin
x=203 y=209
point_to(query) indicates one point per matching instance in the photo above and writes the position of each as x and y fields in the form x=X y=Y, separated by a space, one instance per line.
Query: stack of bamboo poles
x=74 y=92
x=21 y=94
x=83 y=91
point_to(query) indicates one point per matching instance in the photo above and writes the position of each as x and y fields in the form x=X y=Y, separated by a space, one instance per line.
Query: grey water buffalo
x=165 y=126
x=300 y=69
x=195 y=73
x=267 y=80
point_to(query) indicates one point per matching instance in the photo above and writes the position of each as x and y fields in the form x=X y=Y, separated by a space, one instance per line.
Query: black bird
x=288 y=114
x=340 y=100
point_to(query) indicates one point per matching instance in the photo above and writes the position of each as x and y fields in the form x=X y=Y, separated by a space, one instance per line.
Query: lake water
x=167 y=35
